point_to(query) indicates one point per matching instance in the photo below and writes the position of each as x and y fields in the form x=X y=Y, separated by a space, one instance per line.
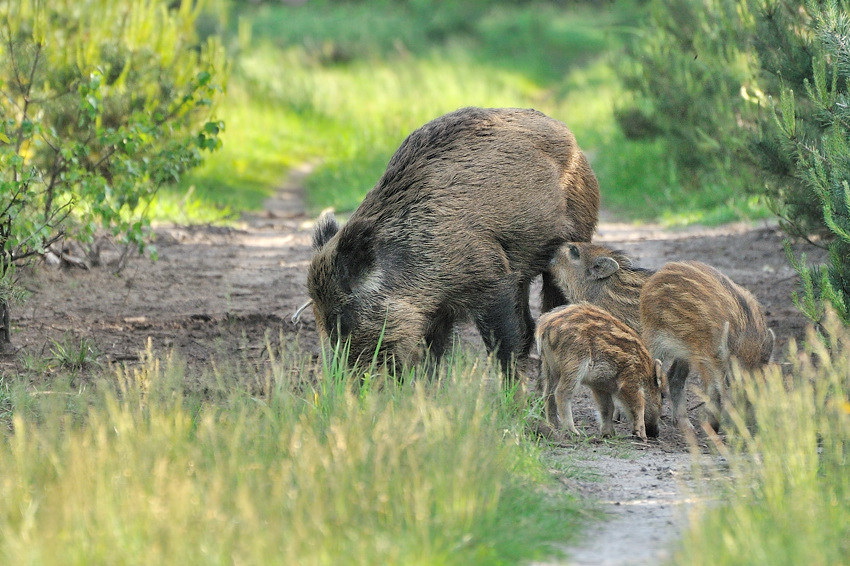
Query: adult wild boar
x=470 y=209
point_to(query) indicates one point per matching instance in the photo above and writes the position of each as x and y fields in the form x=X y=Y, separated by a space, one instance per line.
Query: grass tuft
x=785 y=498
x=73 y=353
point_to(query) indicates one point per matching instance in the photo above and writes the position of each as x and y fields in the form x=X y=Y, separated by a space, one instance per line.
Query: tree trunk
x=5 y=328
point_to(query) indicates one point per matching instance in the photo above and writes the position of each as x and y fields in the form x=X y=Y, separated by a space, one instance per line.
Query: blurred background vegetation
x=341 y=84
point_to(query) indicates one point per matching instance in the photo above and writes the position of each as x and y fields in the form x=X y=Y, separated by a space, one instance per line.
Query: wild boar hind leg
x=571 y=374
x=505 y=323
x=605 y=402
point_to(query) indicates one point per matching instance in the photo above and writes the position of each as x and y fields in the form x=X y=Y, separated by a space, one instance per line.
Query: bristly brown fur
x=583 y=343
x=696 y=317
x=602 y=276
x=469 y=210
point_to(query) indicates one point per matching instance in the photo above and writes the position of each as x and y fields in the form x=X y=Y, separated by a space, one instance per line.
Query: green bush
x=709 y=76
x=103 y=102
x=822 y=161
x=684 y=70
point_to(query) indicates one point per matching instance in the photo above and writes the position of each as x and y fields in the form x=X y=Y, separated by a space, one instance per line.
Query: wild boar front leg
x=525 y=318
x=438 y=337
x=551 y=295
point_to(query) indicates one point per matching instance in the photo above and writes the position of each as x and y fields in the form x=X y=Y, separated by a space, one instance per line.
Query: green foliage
x=785 y=497
x=73 y=354
x=102 y=103
x=280 y=468
x=707 y=75
x=822 y=160
x=786 y=46
x=685 y=69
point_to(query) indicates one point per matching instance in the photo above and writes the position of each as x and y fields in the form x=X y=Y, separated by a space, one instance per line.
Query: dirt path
x=643 y=495
x=216 y=293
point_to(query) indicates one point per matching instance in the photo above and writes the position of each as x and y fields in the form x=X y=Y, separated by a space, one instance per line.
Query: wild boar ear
x=326 y=228
x=604 y=267
x=767 y=346
x=355 y=253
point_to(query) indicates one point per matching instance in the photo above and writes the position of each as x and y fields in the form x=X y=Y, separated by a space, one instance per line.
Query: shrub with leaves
x=707 y=75
x=823 y=162
x=684 y=69
x=102 y=102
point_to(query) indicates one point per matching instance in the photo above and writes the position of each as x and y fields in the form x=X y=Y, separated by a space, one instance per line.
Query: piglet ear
x=604 y=267
x=326 y=228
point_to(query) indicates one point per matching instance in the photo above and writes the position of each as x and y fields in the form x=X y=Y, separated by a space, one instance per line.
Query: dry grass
x=276 y=472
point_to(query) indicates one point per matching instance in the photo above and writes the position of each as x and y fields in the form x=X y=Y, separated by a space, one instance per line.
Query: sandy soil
x=216 y=292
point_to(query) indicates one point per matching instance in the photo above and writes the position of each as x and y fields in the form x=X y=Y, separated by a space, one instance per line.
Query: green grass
x=273 y=467
x=342 y=84
x=785 y=498
x=72 y=354
x=643 y=184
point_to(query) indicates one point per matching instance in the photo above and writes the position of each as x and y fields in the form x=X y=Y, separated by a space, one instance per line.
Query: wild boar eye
x=574 y=252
